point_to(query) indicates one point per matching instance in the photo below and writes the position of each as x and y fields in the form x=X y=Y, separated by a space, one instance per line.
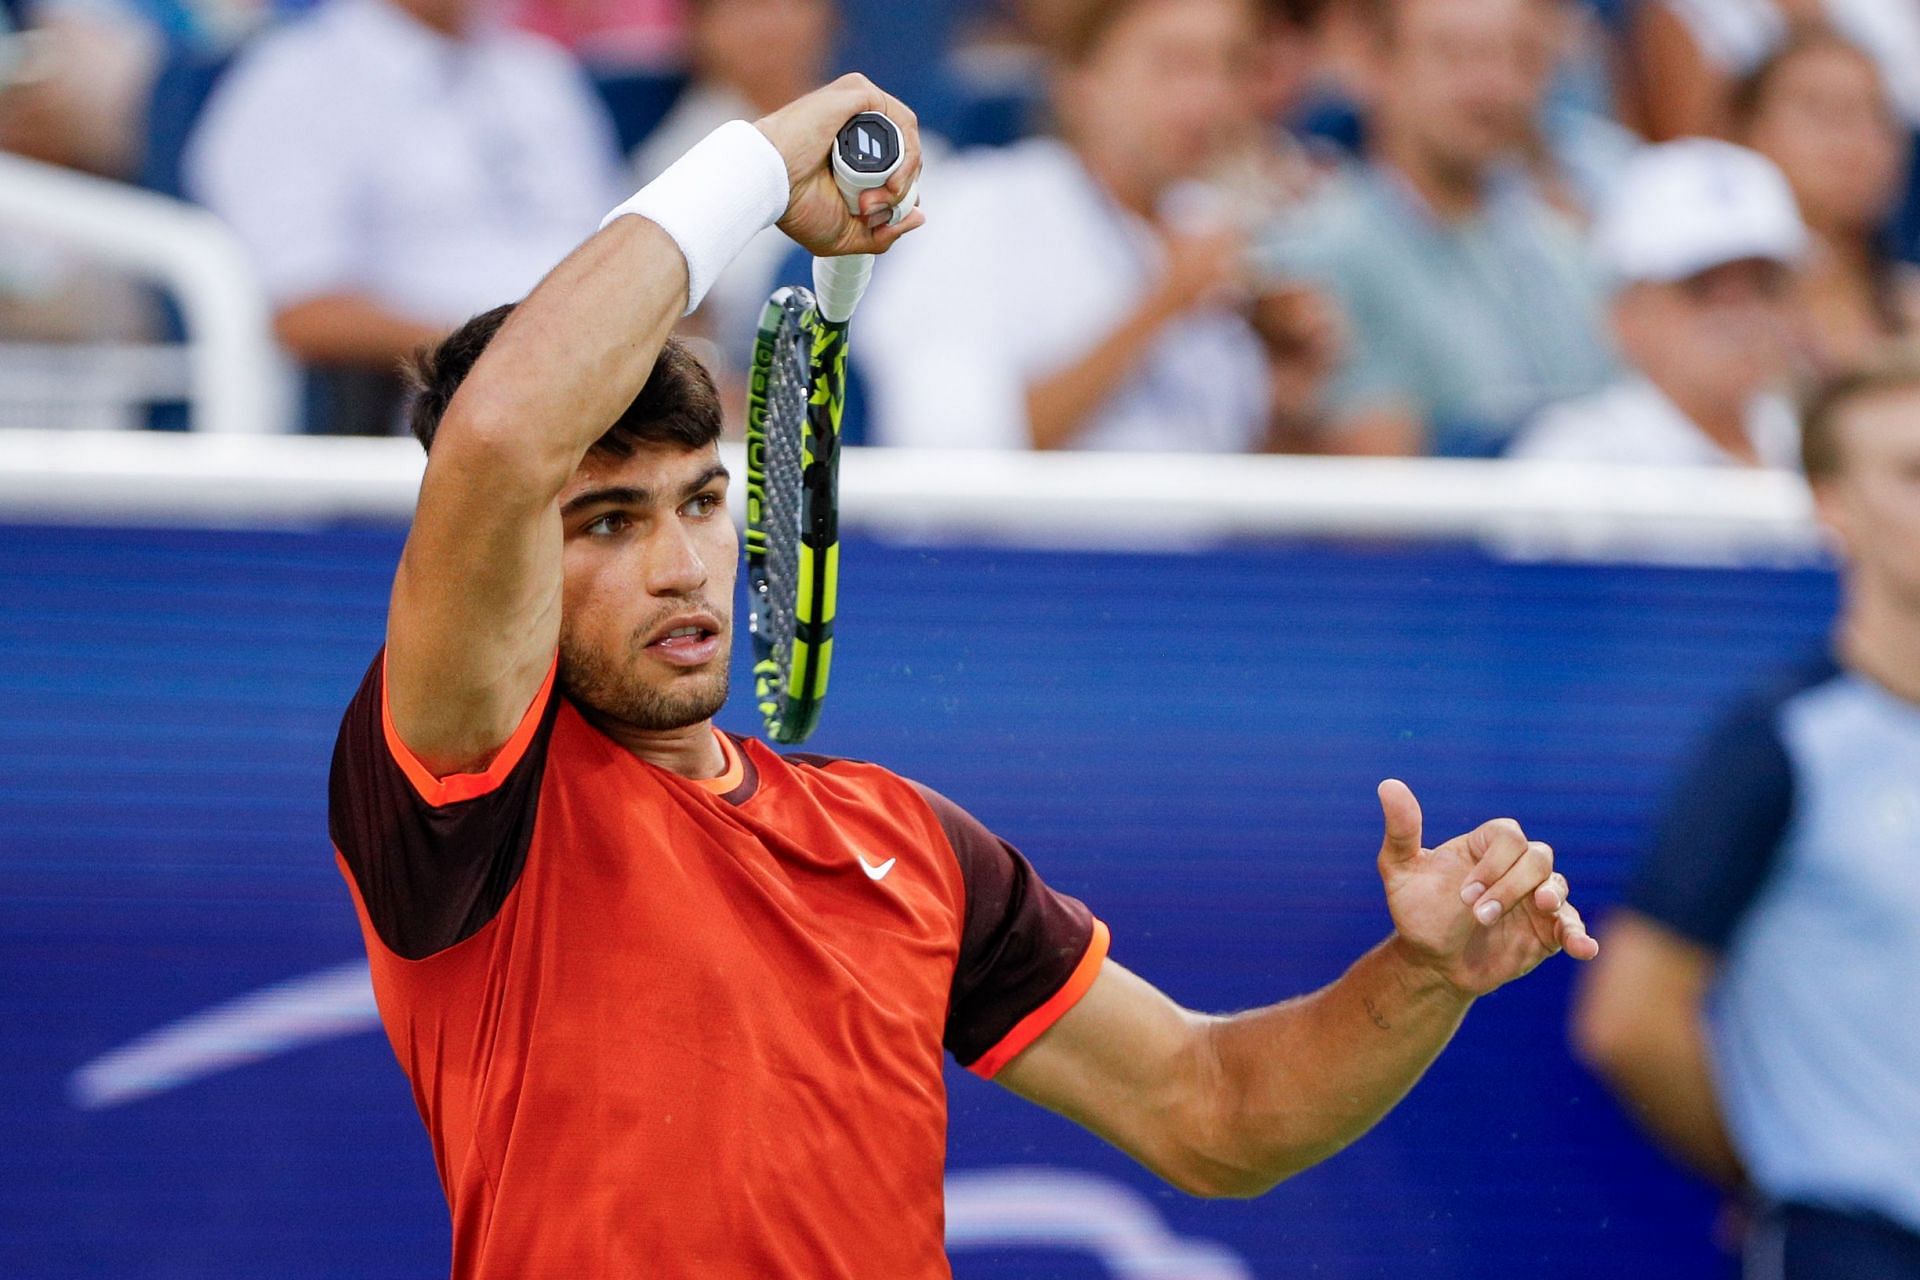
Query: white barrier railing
x=237 y=381
x=1541 y=509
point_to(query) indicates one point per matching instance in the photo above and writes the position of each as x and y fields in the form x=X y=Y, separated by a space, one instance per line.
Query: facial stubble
x=617 y=689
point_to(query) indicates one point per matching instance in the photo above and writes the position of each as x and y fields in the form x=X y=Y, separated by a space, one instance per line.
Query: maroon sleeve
x=1027 y=953
x=433 y=858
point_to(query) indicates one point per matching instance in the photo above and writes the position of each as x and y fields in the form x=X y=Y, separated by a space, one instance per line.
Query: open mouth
x=688 y=644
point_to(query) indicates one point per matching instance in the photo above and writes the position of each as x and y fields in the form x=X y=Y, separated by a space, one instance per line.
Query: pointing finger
x=1402 y=814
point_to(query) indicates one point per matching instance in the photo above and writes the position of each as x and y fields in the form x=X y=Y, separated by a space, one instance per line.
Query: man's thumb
x=1402 y=813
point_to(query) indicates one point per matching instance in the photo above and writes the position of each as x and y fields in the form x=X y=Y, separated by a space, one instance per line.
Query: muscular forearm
x=1059 y=404
x=574 y=354
x=1301 y=1080
x=345 y=328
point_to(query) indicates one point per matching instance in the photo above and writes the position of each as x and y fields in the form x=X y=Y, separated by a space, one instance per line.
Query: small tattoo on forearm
x=1373 y=1011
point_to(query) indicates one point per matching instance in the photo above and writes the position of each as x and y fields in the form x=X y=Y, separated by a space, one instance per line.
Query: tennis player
x=673 y=1004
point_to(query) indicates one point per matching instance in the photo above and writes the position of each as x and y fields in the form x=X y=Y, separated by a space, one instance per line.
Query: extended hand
x=804 y=131
x=1198 y=268
x=1483 y=908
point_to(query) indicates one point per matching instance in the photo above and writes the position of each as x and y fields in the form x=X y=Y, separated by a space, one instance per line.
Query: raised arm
x=475 y=614
x=1230 y=1106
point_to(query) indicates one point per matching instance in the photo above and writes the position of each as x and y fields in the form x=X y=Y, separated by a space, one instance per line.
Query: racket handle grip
x=868 y=150
x=838 y=284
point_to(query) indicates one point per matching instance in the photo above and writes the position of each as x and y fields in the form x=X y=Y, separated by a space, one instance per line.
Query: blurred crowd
x=1625 y=230
x=1636 y=231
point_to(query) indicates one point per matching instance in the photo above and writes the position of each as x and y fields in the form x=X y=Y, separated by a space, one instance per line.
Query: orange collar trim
x=735 y=772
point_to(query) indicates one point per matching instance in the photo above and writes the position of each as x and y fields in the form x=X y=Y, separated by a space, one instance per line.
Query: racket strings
x=789 y=388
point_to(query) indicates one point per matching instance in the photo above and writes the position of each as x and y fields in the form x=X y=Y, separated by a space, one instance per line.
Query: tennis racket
x=796 y=395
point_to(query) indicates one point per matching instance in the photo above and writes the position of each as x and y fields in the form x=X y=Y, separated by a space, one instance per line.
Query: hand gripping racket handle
x=867 y=151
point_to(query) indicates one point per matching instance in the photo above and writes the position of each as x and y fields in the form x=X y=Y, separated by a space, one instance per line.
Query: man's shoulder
x=810 y=766
x=1622 y=422
x=521 y=53
x=308 y=43
x=1755 y=719
x=851 y=779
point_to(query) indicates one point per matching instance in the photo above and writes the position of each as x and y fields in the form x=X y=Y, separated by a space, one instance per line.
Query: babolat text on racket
x=796 y=396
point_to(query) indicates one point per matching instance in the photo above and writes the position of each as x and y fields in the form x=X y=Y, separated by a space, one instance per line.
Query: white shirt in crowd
x=358 y=150
x=1023 y=267
x=1634 y=422
x=732 y=307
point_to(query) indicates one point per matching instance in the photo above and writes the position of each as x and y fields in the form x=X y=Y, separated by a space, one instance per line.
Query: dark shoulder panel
x=1718 y=838
x=433 y=859
x=1021 y=942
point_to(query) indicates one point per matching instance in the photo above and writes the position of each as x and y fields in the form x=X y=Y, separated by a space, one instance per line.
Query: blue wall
x=1190 y=742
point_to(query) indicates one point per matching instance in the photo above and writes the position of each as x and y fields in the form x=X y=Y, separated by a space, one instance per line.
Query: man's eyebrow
x=705 y=478
x=624 y=495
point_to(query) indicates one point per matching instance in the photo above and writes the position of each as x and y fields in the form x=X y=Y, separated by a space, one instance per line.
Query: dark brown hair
x=1749 y=93
x=1820 y=452
x=1749 y=98
x=678 y=405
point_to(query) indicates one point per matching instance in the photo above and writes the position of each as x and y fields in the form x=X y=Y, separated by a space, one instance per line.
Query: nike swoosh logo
x=875 y=873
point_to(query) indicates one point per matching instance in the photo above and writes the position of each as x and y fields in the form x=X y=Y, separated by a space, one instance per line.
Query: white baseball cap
x=1684 y=207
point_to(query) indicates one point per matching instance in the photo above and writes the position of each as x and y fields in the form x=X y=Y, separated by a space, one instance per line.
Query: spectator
x=396 y=166
x=1689 y=54
x=1753 y=1008
x=996 y=67
x=1818 y=109
x=1068 y=292
x=1701 y=241
x=72 y=86
x=1469 y=298
x=609 y=33
x=749 y=57
x=1574 y=148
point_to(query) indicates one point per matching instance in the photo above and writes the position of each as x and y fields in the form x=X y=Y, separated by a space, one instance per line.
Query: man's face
x=646 y=616
x=1873 y=504
x=1170 y=85
x=1718 y=337
x=1458 y=80
x=764 y=42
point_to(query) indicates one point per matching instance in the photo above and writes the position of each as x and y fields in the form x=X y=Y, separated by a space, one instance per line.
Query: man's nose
x=674 y=566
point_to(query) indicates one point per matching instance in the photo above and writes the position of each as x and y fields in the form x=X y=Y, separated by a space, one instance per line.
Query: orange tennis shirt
x=665 y=1027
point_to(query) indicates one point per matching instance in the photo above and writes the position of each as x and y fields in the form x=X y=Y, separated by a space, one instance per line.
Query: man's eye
x=603 y=526
x=704 y=505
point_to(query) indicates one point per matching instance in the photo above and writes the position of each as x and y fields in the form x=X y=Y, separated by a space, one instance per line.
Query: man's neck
x=1452 y=192
x=1723 y=423
x=1880 y=640
x=443 y=19
x=692 y=752
x=1121 y=182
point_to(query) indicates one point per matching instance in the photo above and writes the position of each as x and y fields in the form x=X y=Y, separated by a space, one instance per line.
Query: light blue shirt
x=1816 y=1021
x=1795 y=850
x=1475 y=324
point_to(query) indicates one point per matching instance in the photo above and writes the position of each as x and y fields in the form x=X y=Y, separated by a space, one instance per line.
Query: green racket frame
x=790 y=699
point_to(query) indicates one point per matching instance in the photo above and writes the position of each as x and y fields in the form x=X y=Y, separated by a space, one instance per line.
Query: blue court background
x=1188 y=741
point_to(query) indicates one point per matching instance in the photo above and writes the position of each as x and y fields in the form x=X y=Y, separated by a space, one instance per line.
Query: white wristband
x=728 y=189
